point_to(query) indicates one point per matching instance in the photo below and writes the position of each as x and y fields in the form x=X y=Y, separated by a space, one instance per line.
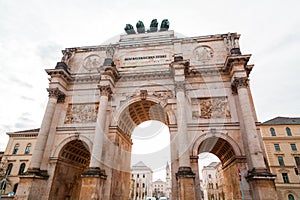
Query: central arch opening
x=146 y=122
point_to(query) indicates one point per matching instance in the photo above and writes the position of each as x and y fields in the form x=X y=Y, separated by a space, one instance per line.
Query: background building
x=168 y=181
x=159 y=188
x=141 y=177
x=16 y=158
x=210 y=181
x=281 y=138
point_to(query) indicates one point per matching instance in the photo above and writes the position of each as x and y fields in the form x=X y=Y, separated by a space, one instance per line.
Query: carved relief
x=210 y=107
x=92 y=62
x=143 y=94
x=67 y=55
x=203 y=53
x=81 y=113
x=163 y=94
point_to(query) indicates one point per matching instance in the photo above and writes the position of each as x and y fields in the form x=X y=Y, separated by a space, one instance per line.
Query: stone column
x=105 y=92
x=185 y=177
x=240 y=85
x=260 y=179
x=55 y=95
x=182 y=137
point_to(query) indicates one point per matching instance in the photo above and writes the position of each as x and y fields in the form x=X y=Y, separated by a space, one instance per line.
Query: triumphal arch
x=197 y=86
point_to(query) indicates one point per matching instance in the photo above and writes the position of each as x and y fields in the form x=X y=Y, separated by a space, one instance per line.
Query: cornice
x=60 y=73
x=238 y=59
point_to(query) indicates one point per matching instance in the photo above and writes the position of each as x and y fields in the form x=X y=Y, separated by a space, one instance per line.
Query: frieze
x=146 y=76
x=81 y=113
x=210 y=107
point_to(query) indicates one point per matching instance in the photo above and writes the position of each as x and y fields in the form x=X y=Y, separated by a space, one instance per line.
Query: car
x=150 y=198
x=163 y=198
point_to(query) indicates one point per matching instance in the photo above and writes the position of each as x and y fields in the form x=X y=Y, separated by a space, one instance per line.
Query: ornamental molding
x=146 y=76
x=56 y=93
x=105 y=90
x=239 y=82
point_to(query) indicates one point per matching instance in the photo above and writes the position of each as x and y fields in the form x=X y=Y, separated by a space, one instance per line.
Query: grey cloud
x=27 y=98
x=21 y=82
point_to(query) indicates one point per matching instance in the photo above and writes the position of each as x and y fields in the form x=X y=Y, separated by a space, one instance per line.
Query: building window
x=293 y=146
x=9 y=168
x=143 y=185
x=272 y=130
x=288 y=131
x=291 y=197
x=297 y=161
x=15 y=188
x=137 y=185
x=138 y=175
x=3 y=185
x=28 y=148
x=280 y=161
x=277 y=147
x=16 y=148
x=22 y=168
x=143 y=175
x=285 y=178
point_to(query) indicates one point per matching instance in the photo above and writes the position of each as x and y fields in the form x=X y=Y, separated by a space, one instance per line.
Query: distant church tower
x=168 y=181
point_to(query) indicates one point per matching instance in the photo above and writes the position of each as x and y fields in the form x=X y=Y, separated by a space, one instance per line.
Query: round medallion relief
x=203 y=53
x=92 y=62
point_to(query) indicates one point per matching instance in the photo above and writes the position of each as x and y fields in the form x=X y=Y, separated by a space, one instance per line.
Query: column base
x=92 y=183
x=186 y=183
x=32 y=184
x=262 y=184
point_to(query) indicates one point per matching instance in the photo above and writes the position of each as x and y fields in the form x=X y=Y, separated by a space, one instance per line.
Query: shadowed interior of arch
x=218 y=146
x=139 y=112
x=73 y=159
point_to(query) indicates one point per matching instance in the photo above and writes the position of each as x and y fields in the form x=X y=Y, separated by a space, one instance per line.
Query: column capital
x=238 y=82
x=105 y=90
x=179 y=86
x=56 y=93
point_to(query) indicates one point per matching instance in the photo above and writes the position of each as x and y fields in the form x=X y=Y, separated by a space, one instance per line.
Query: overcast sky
x=33 y=33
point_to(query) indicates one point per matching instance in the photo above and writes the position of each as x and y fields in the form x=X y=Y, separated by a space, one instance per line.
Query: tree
x=4 y=180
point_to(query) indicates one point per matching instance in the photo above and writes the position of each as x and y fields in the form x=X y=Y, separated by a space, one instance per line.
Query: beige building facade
x=16 y=157
x=281 y=138
x=197 y=86
x=141 y=176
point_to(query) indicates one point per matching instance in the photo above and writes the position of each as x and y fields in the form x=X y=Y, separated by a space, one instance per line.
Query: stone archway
x=232 y=162
x=130 y=116
x=73 y=159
